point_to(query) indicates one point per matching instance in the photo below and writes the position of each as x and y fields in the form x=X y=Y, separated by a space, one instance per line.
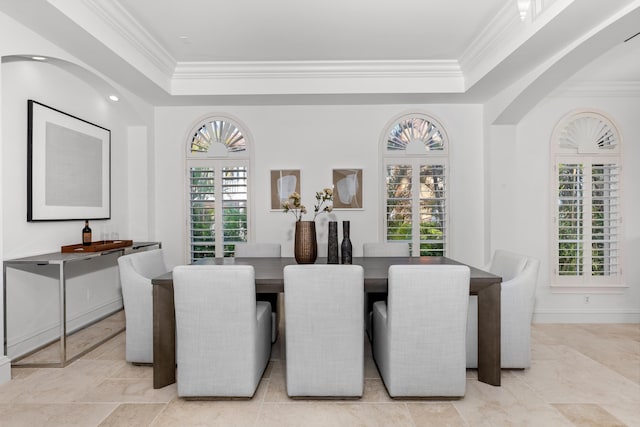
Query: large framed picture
x=283 y=183
x=68 y=167
x=347 y=188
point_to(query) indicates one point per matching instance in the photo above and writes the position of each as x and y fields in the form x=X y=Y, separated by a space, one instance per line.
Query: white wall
x=5 y=363
x=70 y=86
x=316 y=139
x=520 y=211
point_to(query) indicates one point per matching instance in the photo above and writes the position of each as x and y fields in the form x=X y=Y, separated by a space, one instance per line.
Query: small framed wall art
x=283 y=183
x=347 y=188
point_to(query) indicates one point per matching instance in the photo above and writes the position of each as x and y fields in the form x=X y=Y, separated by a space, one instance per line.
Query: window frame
x=588 y=158
x=218 y=160
x=415 y=160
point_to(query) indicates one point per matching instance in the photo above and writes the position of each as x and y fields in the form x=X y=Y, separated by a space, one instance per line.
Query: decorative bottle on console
x=86 y=234
x=346 y=243
x=332 y=246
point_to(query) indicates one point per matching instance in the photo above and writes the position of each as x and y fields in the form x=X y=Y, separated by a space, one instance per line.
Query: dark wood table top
x=269 y=271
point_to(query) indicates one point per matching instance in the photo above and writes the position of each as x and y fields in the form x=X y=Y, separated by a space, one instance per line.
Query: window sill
x=588 y=289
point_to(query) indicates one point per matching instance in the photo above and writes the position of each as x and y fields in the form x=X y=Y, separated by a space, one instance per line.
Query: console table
x=61 y=260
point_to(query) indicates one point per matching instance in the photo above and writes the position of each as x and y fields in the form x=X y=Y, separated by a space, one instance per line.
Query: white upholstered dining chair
x=324 y=333
x=419 y=334
x=222 y=332
x=517 y=298
x=136 y=271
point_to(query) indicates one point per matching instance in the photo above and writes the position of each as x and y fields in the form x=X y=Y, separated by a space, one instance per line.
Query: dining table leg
x=489 y=334
x=164 y=336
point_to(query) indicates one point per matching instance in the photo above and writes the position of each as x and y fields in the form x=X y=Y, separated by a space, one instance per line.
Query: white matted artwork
x=347 y=188
x=68 y=176
x=283 y=183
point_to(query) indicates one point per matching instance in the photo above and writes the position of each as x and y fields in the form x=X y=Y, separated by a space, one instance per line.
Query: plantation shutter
x=570 y=218
x=234 y=206
x=399 y=200
x=433 y=210
x=604 y=219
x=202 y=213
x=588 y=219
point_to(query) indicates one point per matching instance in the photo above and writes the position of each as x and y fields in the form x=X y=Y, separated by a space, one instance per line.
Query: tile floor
x=581 y=375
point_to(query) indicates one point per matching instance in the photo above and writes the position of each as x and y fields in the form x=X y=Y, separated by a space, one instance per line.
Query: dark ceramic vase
x=346 y=248
x=332 y=247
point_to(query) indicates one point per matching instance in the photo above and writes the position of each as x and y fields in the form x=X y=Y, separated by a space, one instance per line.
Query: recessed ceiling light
x=38 y=58
x=114 y=98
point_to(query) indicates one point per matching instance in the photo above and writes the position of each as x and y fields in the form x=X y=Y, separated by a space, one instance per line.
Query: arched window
x=218 y=160
x=415 y=161
x=586 y=153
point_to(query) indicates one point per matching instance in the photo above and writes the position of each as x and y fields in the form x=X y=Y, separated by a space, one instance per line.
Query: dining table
x=269 y=279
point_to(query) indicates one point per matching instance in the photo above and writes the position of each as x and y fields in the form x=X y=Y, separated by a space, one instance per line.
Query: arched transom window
x=415 y=161
x=586 y=200
x=218 y=162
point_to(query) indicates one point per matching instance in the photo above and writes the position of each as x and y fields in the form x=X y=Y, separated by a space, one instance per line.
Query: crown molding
x=488 y=48
x=317 y=69
x=504 y=35
x=308 y=77
x=113 y=14
x=628 y=89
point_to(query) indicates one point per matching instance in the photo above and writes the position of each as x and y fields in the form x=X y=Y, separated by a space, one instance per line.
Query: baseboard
x=587 y=316
x=5 y=370
x=22 y=345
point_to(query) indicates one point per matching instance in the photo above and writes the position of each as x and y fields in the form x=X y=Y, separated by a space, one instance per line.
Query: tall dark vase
x=305 y=246
x=332 y=247
x=346 y=248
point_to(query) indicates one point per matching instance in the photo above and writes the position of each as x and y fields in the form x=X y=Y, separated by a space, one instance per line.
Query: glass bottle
x=86 y=234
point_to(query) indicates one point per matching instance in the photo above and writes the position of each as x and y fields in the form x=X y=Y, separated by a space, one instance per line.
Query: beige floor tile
x=572 y=377
x=512 y=404
x=129 y=390
x=370 y=369
x=615 y=346
x=375 y=391
x=129 y=370
x=35 y=415
x=628 y=413
x=588 y=415
x=133 y=415
x=183 y=413
x=579 y=373
x=322 y=414
x=276 y=389
x=435 y=414
x=77 y=342
x=62 y=385
x=114 y=349
x=22 y=373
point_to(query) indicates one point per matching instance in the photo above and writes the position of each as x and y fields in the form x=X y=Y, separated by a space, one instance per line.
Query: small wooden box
x=99 y=246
